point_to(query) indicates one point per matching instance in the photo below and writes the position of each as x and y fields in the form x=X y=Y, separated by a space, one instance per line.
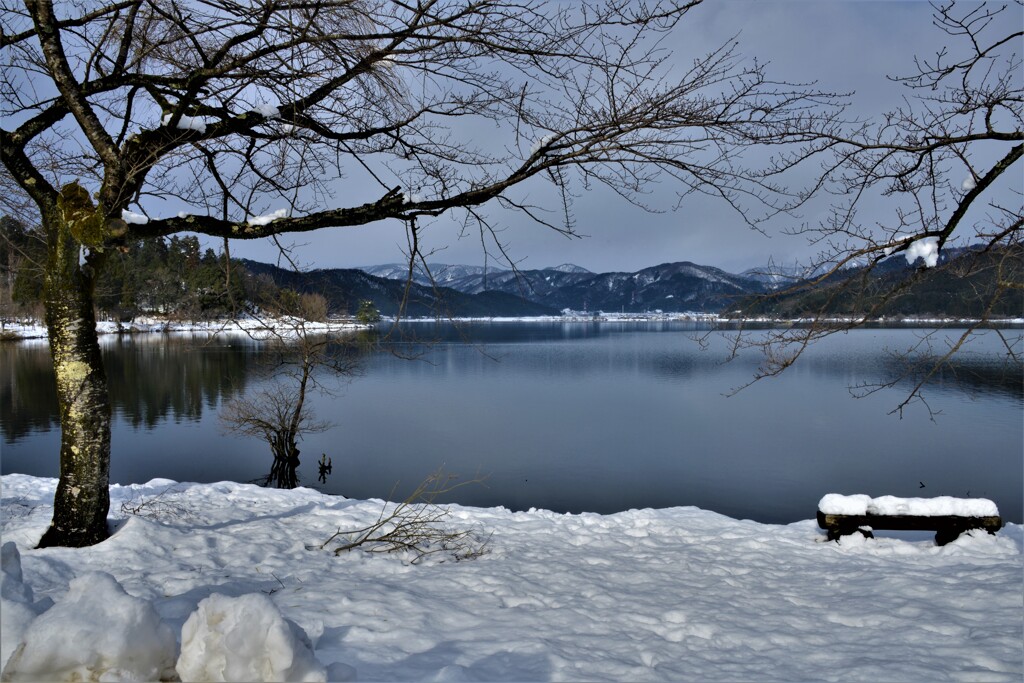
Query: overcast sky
x=843 y=45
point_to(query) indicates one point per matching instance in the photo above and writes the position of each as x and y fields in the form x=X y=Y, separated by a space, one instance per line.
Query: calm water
x=585 y=416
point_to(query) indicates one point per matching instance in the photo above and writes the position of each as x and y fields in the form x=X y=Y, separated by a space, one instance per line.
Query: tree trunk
x=83 y=496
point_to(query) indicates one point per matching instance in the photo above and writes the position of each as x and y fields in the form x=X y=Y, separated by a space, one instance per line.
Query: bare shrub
x=159 y=507
x=416 y=525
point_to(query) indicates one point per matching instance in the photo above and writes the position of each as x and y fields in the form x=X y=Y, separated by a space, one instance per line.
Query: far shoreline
x=26 y=329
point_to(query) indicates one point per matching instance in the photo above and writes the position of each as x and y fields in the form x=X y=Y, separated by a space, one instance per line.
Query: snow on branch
x=541 y=143
x=926 y=248
x=195 y=123
x=133 y=218
x=267 y=219
x=267 y=111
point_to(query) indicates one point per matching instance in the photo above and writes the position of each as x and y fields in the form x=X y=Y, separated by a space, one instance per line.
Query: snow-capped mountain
x=777 y=276
x=439 y=273
x=681 y=286
x=570 y=268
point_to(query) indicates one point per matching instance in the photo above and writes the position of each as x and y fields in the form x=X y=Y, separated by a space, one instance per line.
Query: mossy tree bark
x=83 y=497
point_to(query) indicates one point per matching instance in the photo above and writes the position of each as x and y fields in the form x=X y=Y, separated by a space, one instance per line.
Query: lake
x=583 y=416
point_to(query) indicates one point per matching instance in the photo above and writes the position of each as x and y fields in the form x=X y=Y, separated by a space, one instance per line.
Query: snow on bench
x=947 y=516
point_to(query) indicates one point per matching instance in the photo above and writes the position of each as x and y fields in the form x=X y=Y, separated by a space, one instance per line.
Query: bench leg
x=944 y=536
x=835 y=532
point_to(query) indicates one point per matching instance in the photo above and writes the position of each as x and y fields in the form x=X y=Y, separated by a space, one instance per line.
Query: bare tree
x=135 y=119
x=943 y=170
x=303 y=361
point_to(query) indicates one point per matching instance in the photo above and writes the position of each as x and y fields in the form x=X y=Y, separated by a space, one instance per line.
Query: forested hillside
x=966 y=283
x=172 y=277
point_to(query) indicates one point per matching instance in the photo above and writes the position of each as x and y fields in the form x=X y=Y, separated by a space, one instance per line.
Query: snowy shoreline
x=18 y=330
x=649 y=595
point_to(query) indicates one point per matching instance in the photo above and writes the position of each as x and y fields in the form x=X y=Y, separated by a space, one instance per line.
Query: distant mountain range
x=345 y=288
x=460 y=290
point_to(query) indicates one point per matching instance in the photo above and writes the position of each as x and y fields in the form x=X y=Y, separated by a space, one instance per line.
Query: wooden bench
x=948 y=517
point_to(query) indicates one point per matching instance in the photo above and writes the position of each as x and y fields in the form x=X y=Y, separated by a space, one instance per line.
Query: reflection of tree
x=970 y=373
x=278 y=412
x=154 y=380
x=151 y=380
x=28 y=397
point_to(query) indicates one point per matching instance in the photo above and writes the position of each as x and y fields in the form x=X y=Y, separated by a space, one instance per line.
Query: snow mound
x=16 y=602
x=97 y=632
x=941 y=506
x=11 y=582
x=245 y=639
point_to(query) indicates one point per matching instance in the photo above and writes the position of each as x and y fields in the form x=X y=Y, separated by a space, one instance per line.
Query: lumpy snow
x=245 y=639
x=267 y=111
x=195 y=123
x=132 y=217
x=95 y=631
x=268 y=218
x=236 y=573
x=927 y=249
x=940 y=506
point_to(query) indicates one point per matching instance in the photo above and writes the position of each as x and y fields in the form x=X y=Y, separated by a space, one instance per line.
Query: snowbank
x=253 y=327
x=17 y=606
x=245 y=639
x=32 y=329
x=95 y=632
x=652 y=595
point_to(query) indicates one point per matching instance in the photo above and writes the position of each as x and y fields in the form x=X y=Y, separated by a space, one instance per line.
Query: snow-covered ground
x=675 y=594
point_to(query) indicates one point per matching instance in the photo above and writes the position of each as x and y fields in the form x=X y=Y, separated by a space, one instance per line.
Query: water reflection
x=875 y=356
x=28 y=394
x=571 y=417
x=152 y=378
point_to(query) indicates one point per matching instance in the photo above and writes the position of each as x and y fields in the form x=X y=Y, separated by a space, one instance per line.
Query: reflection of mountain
x=575 y=350
x=151 y=379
